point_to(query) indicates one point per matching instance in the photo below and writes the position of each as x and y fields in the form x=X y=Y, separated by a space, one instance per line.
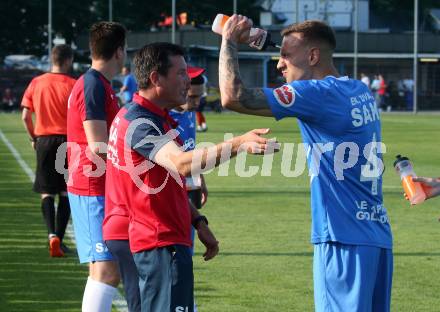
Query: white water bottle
x=260 y=44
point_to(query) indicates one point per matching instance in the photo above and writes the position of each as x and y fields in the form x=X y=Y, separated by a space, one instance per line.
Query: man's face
x=195 y=93
x=175 y=85
x=294 y=58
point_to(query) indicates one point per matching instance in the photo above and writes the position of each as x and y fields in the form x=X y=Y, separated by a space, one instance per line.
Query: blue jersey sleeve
x=94 y=97
x=148 y=137
x=302 y=99
x=127 y=82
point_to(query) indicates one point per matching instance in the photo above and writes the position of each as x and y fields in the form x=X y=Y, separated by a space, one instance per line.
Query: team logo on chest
x=285 y=95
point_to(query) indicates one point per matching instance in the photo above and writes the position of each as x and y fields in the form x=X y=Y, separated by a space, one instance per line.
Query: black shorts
x=202 y=105
x=47 y=179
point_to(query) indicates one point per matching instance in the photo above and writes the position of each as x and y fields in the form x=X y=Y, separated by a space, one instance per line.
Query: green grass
x=262 y=224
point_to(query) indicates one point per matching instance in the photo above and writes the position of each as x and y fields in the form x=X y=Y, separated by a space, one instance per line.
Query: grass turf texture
x=262 y=224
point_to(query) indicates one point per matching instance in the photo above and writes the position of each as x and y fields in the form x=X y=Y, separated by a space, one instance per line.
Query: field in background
x=262 y=224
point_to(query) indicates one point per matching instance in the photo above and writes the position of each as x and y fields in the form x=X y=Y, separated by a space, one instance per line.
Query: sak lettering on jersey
x=285 y=95
x=364 y=109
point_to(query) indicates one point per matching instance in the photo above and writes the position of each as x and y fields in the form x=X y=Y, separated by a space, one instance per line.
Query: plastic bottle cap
x=399 y=158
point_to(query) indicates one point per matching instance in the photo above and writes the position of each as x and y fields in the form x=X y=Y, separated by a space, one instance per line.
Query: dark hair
x=154 y=57
x=105 y=39
x=315 y=31
x=197 y=80
x=60 y=54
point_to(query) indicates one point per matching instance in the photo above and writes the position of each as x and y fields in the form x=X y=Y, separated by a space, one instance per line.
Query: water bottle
x=260 y=44
x=413 y=190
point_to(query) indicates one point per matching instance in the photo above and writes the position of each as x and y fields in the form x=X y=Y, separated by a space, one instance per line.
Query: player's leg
x=44 y=186
x=87 y=216
x=195 y=197
x=101 y=286
x=63 y=209
x=201 y=121
x=49 y=182
x=120 y=249
x=182 y=290
x=48 y=210
x=382 y=289
x=344 y=277
x=62 y=217
x=155 y=278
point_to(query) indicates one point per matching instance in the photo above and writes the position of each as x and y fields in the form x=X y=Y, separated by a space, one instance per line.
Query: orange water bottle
x=413 y=190
x=260 y=44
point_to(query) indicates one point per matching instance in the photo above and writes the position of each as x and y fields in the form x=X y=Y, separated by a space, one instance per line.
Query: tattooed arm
x=234 y=95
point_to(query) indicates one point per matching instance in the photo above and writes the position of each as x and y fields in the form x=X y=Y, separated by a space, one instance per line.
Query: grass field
x=262 y=224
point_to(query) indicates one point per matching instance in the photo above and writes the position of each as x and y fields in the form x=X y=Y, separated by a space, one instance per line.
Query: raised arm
x=234 y=95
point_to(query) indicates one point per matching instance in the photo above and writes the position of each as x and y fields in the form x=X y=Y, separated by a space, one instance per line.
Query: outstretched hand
x=253 y=142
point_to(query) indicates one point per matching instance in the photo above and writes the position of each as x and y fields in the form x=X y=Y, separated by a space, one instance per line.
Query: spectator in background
x=46 y=97
x=9 y=101
x=365 y=79
x=201 y=121
x=408 y=89
x=129 y=86
x=374 y=87
x=381 y=92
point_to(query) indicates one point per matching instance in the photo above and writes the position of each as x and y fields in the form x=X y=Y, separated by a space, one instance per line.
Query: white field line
x=119 y=301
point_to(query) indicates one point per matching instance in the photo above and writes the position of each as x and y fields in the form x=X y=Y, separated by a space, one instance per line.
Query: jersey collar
x=98 y=73
x=161 y=112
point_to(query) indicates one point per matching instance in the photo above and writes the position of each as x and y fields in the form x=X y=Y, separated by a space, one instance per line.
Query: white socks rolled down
x=98 y=296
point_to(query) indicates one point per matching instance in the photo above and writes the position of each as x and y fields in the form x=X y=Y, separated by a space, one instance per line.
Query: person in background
x=129 y=86
x=374 y=87
x=381 y=92
x=201 y=120
x=365 y=79
x=46 y=97
x=92 y=107
x=408 y=89
x=9 y=101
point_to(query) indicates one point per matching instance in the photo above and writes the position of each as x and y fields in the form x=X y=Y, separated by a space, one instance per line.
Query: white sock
x=195 y=305
x=98 y=296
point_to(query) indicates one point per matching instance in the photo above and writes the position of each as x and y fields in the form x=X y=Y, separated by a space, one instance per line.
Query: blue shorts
x=352 y=278
x=87 y=217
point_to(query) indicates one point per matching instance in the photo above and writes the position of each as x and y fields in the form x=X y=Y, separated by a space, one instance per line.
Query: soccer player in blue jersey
x=340 y=126
x=185 y=116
